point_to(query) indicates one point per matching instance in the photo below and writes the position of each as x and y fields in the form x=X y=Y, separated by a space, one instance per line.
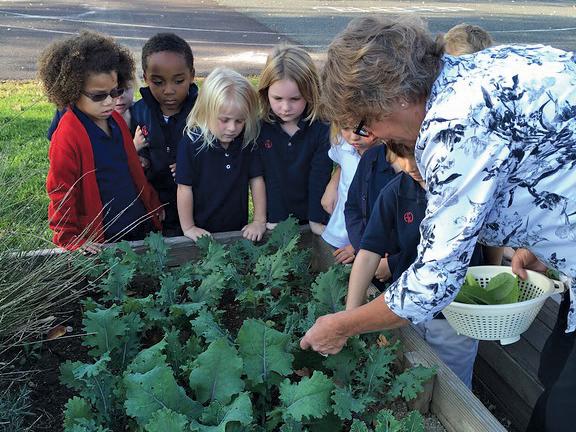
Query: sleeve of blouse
x=463 y=167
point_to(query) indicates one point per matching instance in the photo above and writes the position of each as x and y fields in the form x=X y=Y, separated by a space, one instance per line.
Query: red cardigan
x=75 y=209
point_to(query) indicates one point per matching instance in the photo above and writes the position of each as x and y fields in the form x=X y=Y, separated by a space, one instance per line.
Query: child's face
x=126 y=99
x=169 y=79
x=97 y=84
x=229 y=124
x=360 y=143
x=409 y=166
x=286 y=101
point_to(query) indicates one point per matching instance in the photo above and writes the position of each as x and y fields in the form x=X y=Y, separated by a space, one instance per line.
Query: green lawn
x=25 y=115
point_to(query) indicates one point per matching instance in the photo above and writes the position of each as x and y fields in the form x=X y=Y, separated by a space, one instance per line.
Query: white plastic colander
x=502 y=322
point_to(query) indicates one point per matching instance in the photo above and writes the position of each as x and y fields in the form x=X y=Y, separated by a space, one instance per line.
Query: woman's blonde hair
x=466 y=39
x=292 y=63
x=376 y=63
x=222 y=88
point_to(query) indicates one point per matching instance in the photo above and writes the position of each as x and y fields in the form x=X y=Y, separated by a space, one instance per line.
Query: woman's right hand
x=195 y=233
x=523 y=260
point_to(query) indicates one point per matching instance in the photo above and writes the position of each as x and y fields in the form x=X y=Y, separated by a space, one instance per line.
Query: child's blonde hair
x=466 y=39
x=223 y=87
x=291 y=63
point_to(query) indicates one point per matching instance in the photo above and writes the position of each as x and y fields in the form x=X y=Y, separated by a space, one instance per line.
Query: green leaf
x=342 y=365
x=156 y=257
x=413 y=422
x=359 y=426
x=264 y=350
x=169 y=290
x=504 y=288
x=284 y=233
x=166 y=420
x=386 y=422
x=220 y=417
x=210 y=289
x=77 y=408
x=330 y=288
x=217 y=373
x=97 y=385
x=310 y=398
x=105 y=329
x=410 y=382
x=206 y=326
x=179 y=355
x=345 y=404
x=67 y=375
x=149 y=358
x=148 y=392
x=377 y=367
x=117 y=281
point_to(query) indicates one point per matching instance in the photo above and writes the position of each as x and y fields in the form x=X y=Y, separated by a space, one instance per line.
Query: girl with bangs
x=217 y=162
x=293 y=142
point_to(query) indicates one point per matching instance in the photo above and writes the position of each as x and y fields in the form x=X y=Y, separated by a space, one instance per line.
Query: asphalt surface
x=240 y=34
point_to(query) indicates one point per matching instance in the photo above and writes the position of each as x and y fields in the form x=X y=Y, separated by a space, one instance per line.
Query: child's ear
x=192 y=73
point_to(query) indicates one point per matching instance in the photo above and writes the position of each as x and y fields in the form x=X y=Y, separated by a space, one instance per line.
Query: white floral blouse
x=498 y=151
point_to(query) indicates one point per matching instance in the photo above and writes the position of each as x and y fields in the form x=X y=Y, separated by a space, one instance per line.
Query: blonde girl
x=217 y=161
x=293 y=142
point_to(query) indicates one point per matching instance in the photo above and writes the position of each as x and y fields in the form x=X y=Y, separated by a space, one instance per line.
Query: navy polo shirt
x=296 y=169
x=394 y=226
x=118 y=193
x=373 y=173
x=219 y=178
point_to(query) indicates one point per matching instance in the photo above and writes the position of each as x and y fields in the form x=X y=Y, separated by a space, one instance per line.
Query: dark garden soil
x=48 y=396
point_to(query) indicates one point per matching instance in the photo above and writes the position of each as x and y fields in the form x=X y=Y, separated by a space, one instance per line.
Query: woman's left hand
x=254 y=231
x=325 y=336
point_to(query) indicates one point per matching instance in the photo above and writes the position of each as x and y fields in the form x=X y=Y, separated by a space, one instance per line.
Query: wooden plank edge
x=453 y=403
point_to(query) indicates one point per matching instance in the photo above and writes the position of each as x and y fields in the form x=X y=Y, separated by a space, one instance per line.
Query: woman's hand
x=254 y=231
x=344 y=255
x=523 y=260
x=325 y=336
x=383 y=271
x=195 y=233
x=316 y=227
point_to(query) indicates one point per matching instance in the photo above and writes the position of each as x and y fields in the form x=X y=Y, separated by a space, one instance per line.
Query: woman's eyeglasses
x=99 y=97
x=361 y=130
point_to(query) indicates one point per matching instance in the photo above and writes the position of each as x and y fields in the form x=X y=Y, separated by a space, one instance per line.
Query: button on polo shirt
x=118 y=193
x=219 y=178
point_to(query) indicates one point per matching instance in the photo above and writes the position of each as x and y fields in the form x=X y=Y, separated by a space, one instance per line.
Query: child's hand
x=316 y=227
x=330 y=198
x=383 y=271
x=195 y=233
x=344 y=255
x=90 y=248
x=173 y=170
x=254 y=231
x=270 y=226
x=144 y=162
x=140 y=140
x=160 y=214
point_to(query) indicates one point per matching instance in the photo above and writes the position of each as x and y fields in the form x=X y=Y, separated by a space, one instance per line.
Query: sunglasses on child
x=99 y=97
x=361 y=130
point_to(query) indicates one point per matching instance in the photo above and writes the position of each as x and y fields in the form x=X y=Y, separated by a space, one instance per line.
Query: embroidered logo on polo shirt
x=408 y=217
x=268 y=144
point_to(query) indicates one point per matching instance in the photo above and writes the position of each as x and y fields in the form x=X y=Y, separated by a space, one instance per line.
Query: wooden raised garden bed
x=445 y=396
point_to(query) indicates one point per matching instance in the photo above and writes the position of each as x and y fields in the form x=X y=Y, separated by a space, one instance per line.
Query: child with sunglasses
x=98 y=191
